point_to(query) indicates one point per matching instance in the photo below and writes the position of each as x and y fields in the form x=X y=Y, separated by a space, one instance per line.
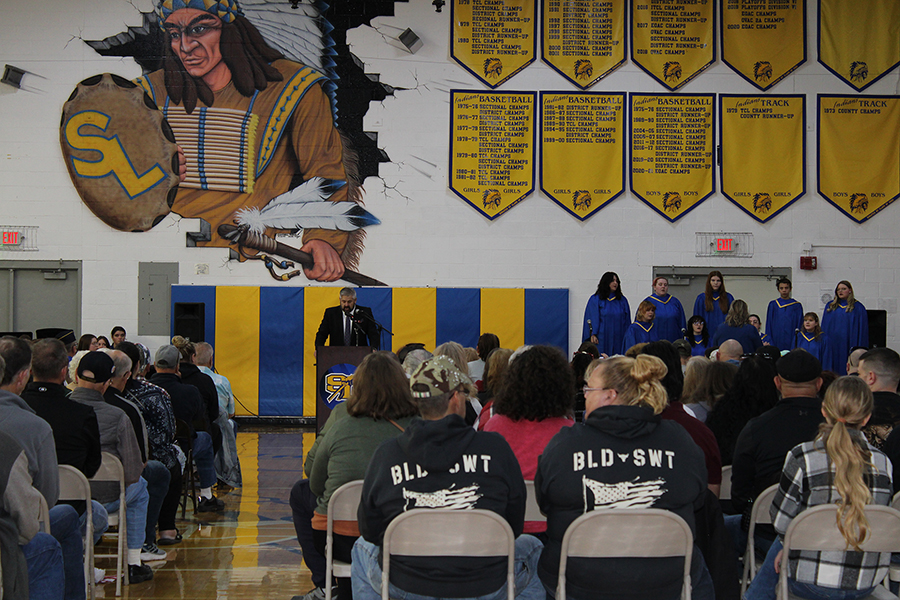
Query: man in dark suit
x=348 y=324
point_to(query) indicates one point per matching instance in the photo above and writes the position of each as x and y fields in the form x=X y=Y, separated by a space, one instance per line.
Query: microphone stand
x=381 y=329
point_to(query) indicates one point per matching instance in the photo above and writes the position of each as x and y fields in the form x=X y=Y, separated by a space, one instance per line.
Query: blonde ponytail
x=637 y=381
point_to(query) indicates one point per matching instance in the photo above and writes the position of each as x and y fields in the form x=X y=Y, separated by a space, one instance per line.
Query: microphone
x=590 y=329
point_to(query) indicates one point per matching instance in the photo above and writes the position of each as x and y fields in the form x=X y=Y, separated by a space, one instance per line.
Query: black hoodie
x=620 y=457
x=442 y=464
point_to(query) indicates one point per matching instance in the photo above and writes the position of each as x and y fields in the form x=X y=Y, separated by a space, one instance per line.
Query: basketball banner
x=859 y=41
x=492 y=148
x=493 y=39
x=674 y=40
x=763 y=152
x=763 y=42
x=582 y=150
x=584 y=40
x=672 y=144
x=859 y=153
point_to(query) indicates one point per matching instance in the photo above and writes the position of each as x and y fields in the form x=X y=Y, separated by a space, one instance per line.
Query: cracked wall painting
x=238 y=120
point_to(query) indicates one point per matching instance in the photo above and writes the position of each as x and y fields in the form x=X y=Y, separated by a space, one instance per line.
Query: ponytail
x=637 y=381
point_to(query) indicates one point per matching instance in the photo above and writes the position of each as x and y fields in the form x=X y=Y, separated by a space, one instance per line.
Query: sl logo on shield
x=335 y=387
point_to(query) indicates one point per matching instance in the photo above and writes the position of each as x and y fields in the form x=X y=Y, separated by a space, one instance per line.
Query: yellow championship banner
x=763 y=152
x=673 y=40
x=763 y=41
x=859 y=40
x=493 y=39
x=492 y=148
x=859 y=153
x=583 y=39
x=672 y=145
x=582 y=150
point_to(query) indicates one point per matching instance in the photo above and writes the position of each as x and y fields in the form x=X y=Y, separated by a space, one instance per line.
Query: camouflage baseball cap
x=438 y=375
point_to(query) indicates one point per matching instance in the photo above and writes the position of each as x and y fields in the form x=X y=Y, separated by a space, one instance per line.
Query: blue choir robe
x=783 y=319
x=817 y=347
x=845 y=330
x=609 y=320
x=715 y=317
x=765 y=339
x=669 y=320
x=698 y=348
x=638 y=333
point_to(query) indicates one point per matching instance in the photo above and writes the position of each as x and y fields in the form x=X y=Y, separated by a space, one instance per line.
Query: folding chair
x=759 y=514
x=111 y=470
x=894 y=572
x=639 y=533
x=183 y=433
x=532 y=510
x=341 y=507
x=448 y=532
x=725 y=491
x=44 y=515
x=73 y=485
x=815 y=529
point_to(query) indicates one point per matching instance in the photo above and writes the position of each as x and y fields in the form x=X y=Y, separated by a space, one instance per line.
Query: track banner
x=763 y=152
x=582 y=150
x=859 y=41
x=674 y=40
x=859 y=153
x=672 y=145
x=493 y=39
x=583 y=39
x=492 y=148
x=763 y=41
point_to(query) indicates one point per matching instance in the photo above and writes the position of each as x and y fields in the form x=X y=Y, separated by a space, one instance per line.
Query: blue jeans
x=99 y=518
x=157 y=476
x=303 y=504
x=205 y=459
x=64 y=527
x=136 y=499
x=46 y=576
x=763 y=585
x=365 y=573
x=733 y=525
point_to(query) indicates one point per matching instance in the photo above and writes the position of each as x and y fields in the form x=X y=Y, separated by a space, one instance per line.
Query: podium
x=335 y=366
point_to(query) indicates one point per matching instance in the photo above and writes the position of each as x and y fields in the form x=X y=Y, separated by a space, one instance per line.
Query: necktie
x=346 y=330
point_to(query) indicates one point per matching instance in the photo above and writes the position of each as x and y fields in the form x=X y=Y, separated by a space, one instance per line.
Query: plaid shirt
x=808 y=480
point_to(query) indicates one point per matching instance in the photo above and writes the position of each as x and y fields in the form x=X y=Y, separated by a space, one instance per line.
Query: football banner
x=859 y=153
x=493 y=39
x=763 y=41
x=763 y=152
x=582 y=149
x=859 y=41
x=673 y=40
x=492 y=148
x=672 y=144
x=584 y=40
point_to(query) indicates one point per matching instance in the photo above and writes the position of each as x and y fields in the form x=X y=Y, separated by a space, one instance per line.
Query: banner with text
x=583 y=39
x=582 y=149
x=859 y=41
x=493 y=39
x=672 y=144
x=859 y=153
x=492 y=148
x=763 y=152
x=763 y=41
x=674 y=40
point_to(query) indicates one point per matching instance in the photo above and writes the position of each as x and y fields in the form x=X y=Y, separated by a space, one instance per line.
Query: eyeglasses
x=587 y=389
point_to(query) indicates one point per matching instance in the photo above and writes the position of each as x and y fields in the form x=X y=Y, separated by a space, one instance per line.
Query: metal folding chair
x=111 y=470
x=73 y=485
x=341 y=507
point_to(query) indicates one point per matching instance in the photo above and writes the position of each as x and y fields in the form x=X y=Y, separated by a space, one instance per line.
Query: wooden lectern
x=335 y=366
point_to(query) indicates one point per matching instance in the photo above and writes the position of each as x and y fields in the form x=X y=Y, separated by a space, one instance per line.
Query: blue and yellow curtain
x=264 y=337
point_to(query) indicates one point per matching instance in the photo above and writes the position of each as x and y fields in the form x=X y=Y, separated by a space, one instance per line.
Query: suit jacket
x=332 y=328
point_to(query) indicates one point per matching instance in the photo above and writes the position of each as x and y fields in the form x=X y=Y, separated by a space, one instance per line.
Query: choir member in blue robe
x=737 y=327
x=812 y=339
x=697 y=336
x=607 y=316
x=669 y=319
x=713 y=304
x=784 y=317
x=643 y=329
x=754 y=320
x=846 y=323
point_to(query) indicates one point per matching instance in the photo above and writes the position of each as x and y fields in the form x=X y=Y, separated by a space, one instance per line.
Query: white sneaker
x=316 y=593
x=151 y=552
x=99 y=574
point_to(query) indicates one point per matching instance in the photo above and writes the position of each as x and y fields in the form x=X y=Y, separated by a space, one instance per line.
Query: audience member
x=88 y=342
x=684 y=352
x=457 y=354
x=66 y=336
x=495 y=369
x=228 y=467
x=853 y=359
x=190 y=374
x=693 y=375
x=579 y=366
x=715 y=380
x=737 y=327
x=879 y=368
x=103 y=342
x=730 y=351
x=486 y=343
x=414 y=358
x=117 y=335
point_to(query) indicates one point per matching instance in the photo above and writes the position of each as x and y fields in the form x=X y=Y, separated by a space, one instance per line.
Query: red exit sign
x=725 y=244
x=11 y=238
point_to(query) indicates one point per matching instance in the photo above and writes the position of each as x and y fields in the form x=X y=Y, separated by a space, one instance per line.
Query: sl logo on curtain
x=859 y=153
x=492 y=148
x=672 y=144
x=492 y=39
x=673 y=41
x=763 y=152
x=583 y=40
x=763 y=43
x=859 y=41
x=582 y=150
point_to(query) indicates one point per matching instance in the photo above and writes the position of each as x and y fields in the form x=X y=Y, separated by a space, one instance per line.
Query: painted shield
x=120 y=152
